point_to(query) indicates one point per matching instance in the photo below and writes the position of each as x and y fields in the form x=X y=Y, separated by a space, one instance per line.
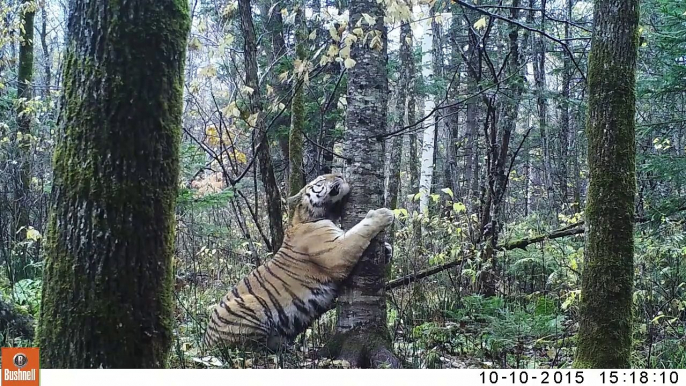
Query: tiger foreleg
x=353 y=243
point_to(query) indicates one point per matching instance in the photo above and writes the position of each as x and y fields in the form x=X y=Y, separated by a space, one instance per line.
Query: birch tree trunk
x=427 y=165
x=605 y=326
x=107 y=286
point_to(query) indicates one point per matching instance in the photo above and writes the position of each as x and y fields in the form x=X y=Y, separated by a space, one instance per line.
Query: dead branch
x=569 y=230
x=573 y=229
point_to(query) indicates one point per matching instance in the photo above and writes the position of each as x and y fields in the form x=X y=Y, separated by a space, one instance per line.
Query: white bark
x=427 y=166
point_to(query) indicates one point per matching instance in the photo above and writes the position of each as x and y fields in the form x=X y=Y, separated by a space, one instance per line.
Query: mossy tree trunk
x=20 y=154
x=107 y=290
x=255 y=102
x=295 y=139
x=22 y=174
x=607 y=280
x=361 y=333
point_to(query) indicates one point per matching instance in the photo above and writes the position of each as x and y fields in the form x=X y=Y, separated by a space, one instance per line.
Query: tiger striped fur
x=281 y=298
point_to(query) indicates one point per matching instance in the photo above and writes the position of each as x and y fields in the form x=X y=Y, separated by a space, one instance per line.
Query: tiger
x=279 y=300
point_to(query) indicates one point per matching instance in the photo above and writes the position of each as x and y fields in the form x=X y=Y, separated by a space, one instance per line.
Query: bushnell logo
x=20 y=366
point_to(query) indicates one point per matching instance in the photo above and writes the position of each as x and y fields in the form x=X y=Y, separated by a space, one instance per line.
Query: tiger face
x=323 y=198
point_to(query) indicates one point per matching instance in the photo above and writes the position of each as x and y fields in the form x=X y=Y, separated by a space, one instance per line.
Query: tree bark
x=107 y=286
x=47 y=62
x=22 y=183
x=276 y=56
x=405 y=54
x=500 y=157
x=427 y=165
x=263 y=155
x=605 y=325
x=361 y=333
x=296 y=175
x=565 y=120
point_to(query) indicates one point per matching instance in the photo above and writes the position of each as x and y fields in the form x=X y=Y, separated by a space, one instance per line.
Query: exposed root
x=362 y=349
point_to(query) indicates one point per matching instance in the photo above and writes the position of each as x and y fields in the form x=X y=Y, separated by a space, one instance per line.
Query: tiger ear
x=293 y=200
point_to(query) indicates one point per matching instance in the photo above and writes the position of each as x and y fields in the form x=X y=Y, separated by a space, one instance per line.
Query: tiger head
x=323 y=198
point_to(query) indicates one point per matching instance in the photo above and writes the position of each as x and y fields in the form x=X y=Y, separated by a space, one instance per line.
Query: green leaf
x=447 y=191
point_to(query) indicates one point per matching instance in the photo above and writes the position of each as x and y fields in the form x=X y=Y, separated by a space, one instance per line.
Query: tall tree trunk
x=539 y=76
x=22 y=187
x=438 y=77
x=405 y=54
x=361 y=333
x=605 y=325
x=276 y=55
x=427 y=166
x=413 y=154
x=47 y=60
x=255 y=99
x=508 y=112
x=295 y=140
x=565 y=118
x=107 y=286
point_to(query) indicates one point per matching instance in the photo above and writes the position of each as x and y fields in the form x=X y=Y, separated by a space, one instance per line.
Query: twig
x=526 y=27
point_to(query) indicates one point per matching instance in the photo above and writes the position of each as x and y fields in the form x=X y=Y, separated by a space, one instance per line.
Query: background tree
x=23 y=137
x=605 y=329
x=107 y=298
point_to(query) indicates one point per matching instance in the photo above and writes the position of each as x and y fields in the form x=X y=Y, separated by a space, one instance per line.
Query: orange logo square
x=20 y=366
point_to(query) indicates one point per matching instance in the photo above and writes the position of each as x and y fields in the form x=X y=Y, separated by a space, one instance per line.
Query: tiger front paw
x=383 y=217
x=388 y=253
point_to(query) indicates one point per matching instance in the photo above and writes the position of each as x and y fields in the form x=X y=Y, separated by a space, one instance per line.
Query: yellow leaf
x=459 y=207
x=32 y=234
x=270 y=90
x=313 y=35
x=333 y=50
x=240 y=157
x=283 y=76
x=207 y=71
x=232 y=110
x=369 y=19
x=252 y=120
x=248 y=90
x=345 y=52
x=358 y=32
x=350 y=39
x=334 y=34
x=481 y=23
x=349 y=63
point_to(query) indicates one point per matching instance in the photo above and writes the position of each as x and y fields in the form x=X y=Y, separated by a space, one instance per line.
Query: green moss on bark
x=107 y=292
x=295 y=138
x=607 y=284
x=22 y=181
